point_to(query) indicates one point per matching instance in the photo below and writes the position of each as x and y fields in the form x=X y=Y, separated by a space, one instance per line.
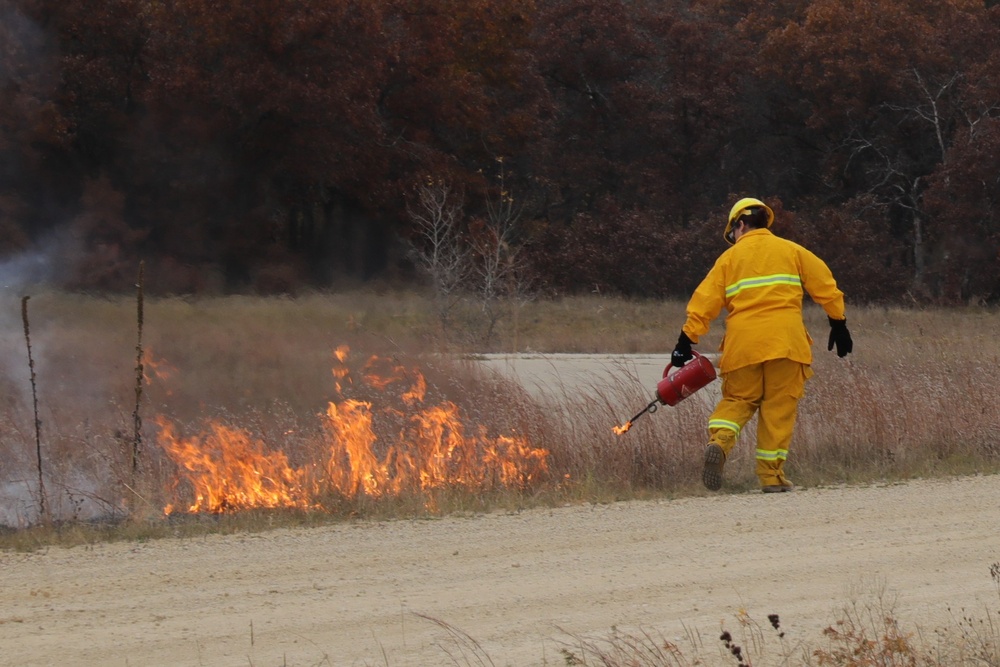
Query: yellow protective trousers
x=773 y=388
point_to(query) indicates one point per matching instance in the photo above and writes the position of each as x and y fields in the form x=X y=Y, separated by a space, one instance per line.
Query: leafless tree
x=482 y=261
x=501 y=270
x=438 y=247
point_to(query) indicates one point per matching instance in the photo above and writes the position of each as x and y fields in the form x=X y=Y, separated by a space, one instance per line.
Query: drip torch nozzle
x=618 y=430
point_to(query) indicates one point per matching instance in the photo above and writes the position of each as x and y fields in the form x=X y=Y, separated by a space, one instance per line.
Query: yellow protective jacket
x=761 y=282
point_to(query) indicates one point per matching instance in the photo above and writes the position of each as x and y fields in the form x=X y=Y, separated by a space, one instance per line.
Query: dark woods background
x=273 y=145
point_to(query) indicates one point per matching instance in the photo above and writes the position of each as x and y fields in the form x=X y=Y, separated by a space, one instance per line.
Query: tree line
x=569 y=145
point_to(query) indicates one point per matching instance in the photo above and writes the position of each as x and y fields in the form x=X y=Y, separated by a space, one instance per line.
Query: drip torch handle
x=696 y=356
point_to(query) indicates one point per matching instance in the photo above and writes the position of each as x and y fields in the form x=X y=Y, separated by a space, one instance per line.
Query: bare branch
x=438 y=249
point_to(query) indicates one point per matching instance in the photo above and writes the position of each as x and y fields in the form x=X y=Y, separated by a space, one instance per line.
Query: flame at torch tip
x=618 y=430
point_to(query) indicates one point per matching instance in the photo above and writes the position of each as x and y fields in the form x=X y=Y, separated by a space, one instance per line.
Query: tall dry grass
x=868 y=631
x=916 y=399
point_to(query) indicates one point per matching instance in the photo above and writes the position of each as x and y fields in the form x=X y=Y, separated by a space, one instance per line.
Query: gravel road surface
x=509 y=589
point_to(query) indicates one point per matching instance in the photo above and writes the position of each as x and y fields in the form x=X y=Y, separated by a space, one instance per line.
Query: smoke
x=19 y=276
x=26 y=42
x=35 y=265
x=17 y=506
x=25 y=274
x=83 y=363
x=30 y=272
x=29 y=269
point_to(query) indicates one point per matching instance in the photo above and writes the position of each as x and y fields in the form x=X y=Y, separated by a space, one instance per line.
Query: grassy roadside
x=915 y=400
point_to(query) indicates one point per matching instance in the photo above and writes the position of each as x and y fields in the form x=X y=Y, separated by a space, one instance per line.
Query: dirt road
x=522 y=586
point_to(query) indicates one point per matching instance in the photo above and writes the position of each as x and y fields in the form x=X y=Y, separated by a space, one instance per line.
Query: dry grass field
x=259 y=376
x=359 y=416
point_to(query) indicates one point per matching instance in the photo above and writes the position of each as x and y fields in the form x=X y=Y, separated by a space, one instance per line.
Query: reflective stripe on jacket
x=761 y=281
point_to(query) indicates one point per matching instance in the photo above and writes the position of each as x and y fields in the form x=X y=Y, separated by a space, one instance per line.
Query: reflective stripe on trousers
x=773 y=388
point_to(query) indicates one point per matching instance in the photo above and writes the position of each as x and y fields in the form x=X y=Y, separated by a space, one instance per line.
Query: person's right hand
x=682 y=353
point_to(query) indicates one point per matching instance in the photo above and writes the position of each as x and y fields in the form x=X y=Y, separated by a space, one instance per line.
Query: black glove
x=682 y=353
x=840 y=336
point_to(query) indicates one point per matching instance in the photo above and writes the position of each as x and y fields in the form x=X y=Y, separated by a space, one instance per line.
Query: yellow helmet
x=738 y=209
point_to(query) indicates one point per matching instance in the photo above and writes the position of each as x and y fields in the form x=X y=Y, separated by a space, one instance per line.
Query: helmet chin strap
x=736 y=227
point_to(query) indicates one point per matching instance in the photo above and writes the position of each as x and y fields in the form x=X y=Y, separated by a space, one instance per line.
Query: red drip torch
x=675 y=387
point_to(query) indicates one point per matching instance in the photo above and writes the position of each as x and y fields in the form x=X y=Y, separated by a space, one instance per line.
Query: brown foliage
x=631 y=253
x=264 y=144
x=870 y=267
x=963 y=197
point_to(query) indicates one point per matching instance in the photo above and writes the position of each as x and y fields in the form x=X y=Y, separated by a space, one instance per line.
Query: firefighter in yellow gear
x=766 y=350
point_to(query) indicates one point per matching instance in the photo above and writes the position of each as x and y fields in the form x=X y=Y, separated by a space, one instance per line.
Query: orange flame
x=228 y=470
x=618 y=430
x=159 y=369
x=340 y=371
x=402 y=447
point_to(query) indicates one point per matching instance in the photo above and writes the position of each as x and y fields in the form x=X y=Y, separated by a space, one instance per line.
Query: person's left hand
x=682 y=353
x=841 y=337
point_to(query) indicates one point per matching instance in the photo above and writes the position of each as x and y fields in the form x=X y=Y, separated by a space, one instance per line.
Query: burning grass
x=384 y=442
x=352 y=405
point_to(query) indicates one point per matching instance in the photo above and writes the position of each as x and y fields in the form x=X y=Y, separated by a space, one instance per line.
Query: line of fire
x=391 y=443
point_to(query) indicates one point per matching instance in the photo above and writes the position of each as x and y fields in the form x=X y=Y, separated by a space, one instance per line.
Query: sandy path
x=516 y=583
